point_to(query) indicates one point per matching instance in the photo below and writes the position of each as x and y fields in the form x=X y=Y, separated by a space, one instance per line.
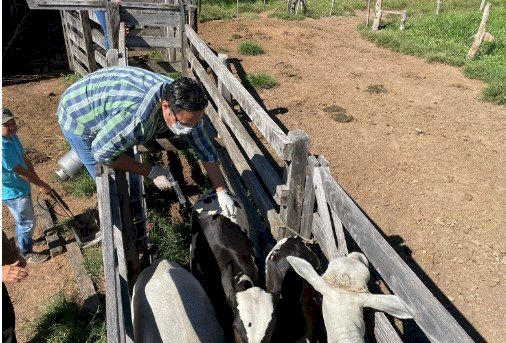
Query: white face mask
x=179 y=129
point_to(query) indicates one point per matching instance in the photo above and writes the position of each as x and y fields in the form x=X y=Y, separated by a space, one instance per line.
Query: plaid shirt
x=116 y=108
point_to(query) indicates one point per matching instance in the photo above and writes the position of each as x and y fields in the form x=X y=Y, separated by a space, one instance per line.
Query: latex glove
x=226 y=203
x=162 y=178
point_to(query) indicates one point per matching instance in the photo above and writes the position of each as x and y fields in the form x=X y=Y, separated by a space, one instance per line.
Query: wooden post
x=482 y=5
x=368 y=13
x=306 y=222
x=480 y=35
x=112 y=57
x=295 y=175
x=88 y=41
x=332 y=7
x=404 y=16
x=66 y=38
x=221 y=86
x=377 y=16
x=184 y=41
x=438 y=6
x=113 y=20
x=193 y=20
x=122 y=50
x=237 y=8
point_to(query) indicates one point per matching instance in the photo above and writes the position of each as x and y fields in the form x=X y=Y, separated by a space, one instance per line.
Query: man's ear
x=306 y=271
x=390 y=304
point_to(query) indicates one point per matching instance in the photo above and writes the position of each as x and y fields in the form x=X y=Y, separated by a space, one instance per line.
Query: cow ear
x=306 y=271
x=390 y=304
x=359 y=257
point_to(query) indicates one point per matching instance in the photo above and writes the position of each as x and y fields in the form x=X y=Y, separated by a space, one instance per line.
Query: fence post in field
x=480 y=35
x=368 y=13
x=404 y=16
x=482 y=5
x=438 y=6
x=295 y=175
x=221 y=87
x=377 y=17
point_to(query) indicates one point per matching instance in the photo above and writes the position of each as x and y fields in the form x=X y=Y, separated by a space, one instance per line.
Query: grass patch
x=93 y=263
x=155 y=55
x=71 y=78
x=250 y=48
x=82 y=185
x=63 y=320
x=174 y=75
x=261 y=81
x=173 y=239
x=447 y=39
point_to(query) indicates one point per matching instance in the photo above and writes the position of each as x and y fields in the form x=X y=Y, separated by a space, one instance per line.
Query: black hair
x=185 y=94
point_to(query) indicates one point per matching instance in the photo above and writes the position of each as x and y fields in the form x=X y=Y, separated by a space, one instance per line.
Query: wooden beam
x=88 y=41
x=295 y=174
x=86 y=288
x=377 y=16
x=98 y=37
x=112 y=18
x=100 y=59
x=436 y=323
x=223 y=58
x=150 y=19
x=153 y=42
x=480 y=35
x=384 y=332
x=78 y=68
x=306 y=222
x=277 y=139
x=259 y=161
x=112 y=58
x=66 y=38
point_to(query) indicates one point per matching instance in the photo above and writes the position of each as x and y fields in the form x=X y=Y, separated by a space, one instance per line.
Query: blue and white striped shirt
x=116 y=108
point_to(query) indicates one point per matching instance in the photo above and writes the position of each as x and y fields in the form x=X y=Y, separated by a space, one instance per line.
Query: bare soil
x=409 y=141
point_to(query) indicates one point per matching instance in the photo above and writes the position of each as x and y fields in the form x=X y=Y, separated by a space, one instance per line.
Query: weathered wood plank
x=377 y=16
x=404 y=17
x=221 y=87
x=88 y=41
x=81 y=57
x=480 y=35
x=324 y=233
x=384 y=332
x=309 y=199
x=438 y=6
x=122 y=50
x=112 y=57
x=261 y=164
x=98 y=5
x=295 y=174
x=430 y=315
x=153 y=42
x=100 y=59
x=181 y=32
x=54 y=244
x=113 y=20
x=75 y=38
x=78 y=68
x=86 y=288
x=150 y=19
x=66 y=38
x=44 y=217
x=277 y=139
x=98 y=37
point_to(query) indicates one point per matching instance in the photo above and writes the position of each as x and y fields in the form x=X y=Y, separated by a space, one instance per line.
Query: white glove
x=162 y=178
x=226 y=203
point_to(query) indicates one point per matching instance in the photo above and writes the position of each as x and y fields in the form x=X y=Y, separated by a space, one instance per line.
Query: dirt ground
x=408 y=140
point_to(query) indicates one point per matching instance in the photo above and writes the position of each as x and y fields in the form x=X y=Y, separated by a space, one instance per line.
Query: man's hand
x=13 y=273
x=162 y=178
x=226 y=203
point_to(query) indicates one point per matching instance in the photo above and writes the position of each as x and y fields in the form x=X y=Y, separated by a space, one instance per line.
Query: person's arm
x=128 y=164
x=215 y=174
x=31 y=176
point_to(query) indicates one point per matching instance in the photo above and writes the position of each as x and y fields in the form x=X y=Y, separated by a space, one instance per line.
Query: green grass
x=173 y=239
x=63 y=320
x=71 y=78
x=155 y=55
x=93 y=263
x=174 y=75
x=261 y=81
x=81 y=185
x=447 y=39
x=250 y=48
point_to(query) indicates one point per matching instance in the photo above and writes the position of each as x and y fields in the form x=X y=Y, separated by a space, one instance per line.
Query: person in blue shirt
x=17 y=175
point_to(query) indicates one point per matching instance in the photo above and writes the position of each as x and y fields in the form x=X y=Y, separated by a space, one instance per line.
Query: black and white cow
x=298 y=310
x=169 y=305
x=223 y=260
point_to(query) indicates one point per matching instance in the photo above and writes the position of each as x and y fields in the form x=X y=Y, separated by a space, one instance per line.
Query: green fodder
x=260 y=81
x=82 y=185
x=173 y=239
x=63 y=320
x=155 y=55
x=250 y=48
x=447 y=39
x=174 y=75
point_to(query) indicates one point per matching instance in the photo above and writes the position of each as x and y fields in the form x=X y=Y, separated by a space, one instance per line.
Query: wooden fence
x=269 y=169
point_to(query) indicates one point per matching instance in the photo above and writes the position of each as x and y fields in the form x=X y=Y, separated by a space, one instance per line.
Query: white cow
x=345 y=294
x=169 y=305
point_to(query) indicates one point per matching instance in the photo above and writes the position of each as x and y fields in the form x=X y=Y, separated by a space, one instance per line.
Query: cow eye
x=249 y=325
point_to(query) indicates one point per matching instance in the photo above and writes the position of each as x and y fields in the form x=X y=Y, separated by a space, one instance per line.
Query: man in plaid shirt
x=109 y=111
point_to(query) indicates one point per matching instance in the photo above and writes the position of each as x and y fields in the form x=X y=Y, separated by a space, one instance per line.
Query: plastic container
x=70 y=165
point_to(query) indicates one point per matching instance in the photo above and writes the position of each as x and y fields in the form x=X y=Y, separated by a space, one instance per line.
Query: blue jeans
x=101 y=18
x=83 y=148
x=24 y=217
